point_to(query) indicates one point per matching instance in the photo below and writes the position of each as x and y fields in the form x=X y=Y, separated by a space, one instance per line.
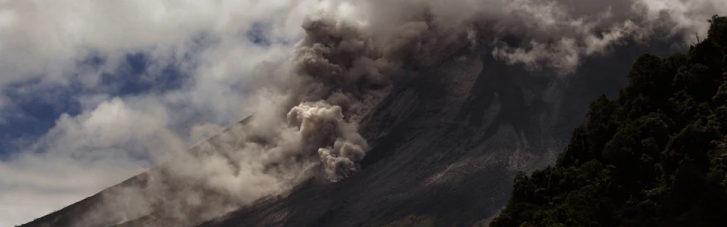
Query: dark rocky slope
x=446 y=146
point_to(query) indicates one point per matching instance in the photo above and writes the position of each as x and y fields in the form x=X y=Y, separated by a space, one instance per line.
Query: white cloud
x=42 y=43
x=80 y=156
x=45 y=38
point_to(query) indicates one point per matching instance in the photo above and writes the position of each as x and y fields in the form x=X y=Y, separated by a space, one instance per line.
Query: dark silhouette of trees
x=656 y=156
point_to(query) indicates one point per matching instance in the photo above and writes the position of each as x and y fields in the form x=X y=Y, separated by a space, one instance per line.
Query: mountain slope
x=653 y=157
x=446 y=143
x=446 y=147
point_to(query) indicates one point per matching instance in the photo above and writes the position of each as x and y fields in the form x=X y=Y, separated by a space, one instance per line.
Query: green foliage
x=656 y=156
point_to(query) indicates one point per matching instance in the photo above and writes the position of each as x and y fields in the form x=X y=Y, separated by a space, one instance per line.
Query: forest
x=654 y=156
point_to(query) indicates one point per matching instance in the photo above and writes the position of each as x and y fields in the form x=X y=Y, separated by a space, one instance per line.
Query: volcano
x=445 y=143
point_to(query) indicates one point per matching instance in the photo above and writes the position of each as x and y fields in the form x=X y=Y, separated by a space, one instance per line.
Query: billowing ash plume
x=338 y=143
x=550 y=34
x=309 y=107
x=306 y=126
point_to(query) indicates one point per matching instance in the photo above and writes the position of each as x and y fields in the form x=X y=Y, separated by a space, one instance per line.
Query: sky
x=94 y=92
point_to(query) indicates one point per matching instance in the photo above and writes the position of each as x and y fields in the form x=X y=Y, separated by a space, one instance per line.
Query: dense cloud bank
x=309 y=71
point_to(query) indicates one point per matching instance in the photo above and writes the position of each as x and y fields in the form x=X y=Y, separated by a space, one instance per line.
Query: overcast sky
x=93 y=92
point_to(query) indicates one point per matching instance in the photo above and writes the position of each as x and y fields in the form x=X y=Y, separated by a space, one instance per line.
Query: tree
x=656 y=156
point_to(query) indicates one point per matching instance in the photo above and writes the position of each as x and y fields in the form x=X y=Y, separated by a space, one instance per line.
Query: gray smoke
x=549 y=34
x=338 y=143
x=309 y=107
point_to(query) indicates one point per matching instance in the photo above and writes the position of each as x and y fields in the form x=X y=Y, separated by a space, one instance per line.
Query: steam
x=308 y=107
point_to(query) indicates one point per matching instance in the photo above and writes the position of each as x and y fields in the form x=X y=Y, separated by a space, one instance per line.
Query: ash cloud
x=553 y=35
x=338 y=143
x=305 y=126
x=559 y=34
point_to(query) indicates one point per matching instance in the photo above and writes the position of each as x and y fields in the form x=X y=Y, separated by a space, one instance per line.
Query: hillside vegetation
x=656 y=156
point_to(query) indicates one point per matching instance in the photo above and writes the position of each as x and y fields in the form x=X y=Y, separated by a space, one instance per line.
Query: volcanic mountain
x=445 y=144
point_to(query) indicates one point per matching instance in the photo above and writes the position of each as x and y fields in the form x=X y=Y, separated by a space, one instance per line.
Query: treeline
x=656 y=156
